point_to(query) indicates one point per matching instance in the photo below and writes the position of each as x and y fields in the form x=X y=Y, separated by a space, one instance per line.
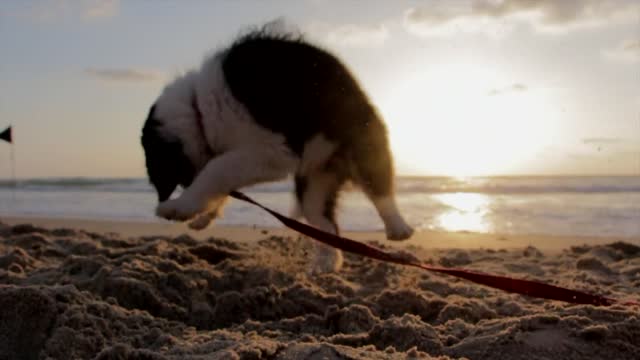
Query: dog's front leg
x=224 y=173
x=206 y=218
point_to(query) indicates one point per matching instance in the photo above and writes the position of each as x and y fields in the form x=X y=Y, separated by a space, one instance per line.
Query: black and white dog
x=267 y=107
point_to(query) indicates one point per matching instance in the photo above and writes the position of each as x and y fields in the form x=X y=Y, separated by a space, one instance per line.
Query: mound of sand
x=69 y=293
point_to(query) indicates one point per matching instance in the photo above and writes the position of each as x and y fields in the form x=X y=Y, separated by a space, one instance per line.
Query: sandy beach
x=80 y=289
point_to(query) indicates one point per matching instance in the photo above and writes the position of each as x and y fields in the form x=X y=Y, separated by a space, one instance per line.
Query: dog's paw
x=328 y=260
x=179 y=209
x=205 y=219
x=202 y=221
x=399 y=230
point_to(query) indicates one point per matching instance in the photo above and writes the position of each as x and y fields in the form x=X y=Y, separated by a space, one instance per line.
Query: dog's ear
x=167 y=165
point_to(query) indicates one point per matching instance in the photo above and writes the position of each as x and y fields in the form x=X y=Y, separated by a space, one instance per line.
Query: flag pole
x=13 y=171
x=7 y=135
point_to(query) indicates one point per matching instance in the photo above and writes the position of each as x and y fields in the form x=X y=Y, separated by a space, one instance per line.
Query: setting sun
x=464 y=120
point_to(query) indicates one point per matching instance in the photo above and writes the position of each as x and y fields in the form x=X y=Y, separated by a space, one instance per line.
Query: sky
x=477 y=87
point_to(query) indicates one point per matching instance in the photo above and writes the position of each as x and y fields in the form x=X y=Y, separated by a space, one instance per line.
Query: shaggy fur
x=263 y=109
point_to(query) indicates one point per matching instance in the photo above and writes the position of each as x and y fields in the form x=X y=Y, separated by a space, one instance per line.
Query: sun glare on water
x=464 y=120
x=467 y=212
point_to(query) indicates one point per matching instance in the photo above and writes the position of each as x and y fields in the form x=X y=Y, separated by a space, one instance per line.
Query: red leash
x=524 y=287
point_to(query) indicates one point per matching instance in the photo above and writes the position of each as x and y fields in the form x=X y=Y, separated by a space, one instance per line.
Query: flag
x=6 y=135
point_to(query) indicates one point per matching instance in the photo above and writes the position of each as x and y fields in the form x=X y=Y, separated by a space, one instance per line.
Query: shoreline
x=424 y=239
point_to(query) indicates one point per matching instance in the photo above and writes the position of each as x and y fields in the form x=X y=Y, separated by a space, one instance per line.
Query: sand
x=87 y=292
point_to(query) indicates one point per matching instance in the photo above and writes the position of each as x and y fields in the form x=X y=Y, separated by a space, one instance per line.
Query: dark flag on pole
x=6 y=135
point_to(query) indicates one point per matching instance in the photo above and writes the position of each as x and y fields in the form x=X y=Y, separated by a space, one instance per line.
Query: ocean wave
x=487 y=185
x=521 y=185
x=79 y=184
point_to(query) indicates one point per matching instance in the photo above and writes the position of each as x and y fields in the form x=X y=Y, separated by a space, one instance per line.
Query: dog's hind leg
x=374 y=172
x=317 y=194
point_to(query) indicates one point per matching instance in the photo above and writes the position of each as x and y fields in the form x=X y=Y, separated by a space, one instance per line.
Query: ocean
x=601 y=206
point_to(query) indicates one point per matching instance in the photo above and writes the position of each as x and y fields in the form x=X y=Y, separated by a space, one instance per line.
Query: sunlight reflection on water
x=467 y=212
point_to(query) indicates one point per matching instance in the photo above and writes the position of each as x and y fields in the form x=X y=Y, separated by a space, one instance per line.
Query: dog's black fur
x=167 y=164
x=299 y=90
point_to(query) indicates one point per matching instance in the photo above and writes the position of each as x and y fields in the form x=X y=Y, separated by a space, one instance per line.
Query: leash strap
x=519 y=286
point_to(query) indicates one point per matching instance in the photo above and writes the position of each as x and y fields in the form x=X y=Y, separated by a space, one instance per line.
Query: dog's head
x=167 y=164
x=174 y=147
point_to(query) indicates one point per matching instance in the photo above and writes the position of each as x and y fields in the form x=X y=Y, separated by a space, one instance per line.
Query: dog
x=268 y=107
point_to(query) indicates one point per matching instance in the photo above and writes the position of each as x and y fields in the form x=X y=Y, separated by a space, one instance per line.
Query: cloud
x=600 y=144
x=38 y=11
x=550 y=14
x=55 y=10
x=351 y=35
x=447 y=17
x=124 y=75
x=601 y=141
x=604 y=162
x=100 y=8
x=439 y=14
x=497 y=17
x=627 y=51
x=514 y=88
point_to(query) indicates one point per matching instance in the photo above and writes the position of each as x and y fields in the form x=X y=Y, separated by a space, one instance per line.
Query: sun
x=447 y=121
